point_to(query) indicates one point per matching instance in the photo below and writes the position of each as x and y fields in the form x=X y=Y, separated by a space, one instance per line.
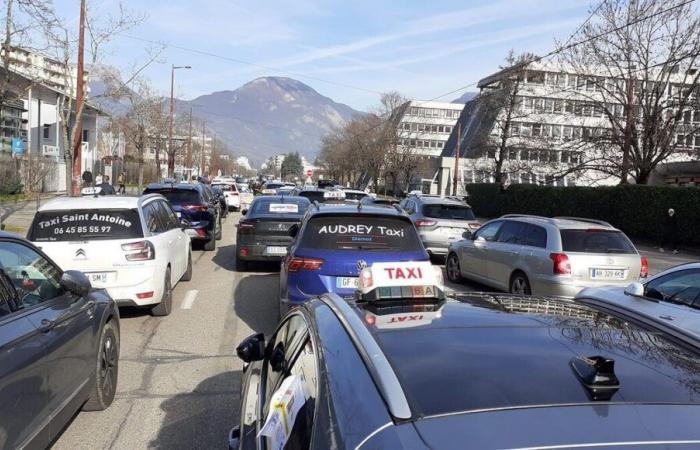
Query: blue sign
x=17 y=146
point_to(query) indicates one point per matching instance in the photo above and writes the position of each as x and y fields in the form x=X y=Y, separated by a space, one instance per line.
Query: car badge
x=361 y=265
x=80 y=254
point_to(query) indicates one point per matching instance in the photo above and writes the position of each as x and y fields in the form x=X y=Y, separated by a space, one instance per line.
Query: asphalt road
x=179 y=380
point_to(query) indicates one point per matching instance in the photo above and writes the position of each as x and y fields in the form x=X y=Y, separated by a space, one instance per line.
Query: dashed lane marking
x=189 y=299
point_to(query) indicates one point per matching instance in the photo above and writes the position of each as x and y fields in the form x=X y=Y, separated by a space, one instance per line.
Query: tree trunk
x=140 y=173
x=69 y=173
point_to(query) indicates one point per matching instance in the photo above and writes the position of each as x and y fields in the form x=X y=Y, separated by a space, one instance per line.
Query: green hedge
x=639 y=211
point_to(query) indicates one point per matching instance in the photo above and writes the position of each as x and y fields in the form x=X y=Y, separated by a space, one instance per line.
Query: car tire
x=106 y=370
x=241 y=265
x=166 y=302
x=210 y=245
x=519 y=284
x=219 y=233
x=187 y=276
x=452 y=268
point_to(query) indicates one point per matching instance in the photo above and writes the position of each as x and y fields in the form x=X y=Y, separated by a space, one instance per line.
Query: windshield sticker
x=284 y=208
x=284 y=406
x=361 y=230
x=95 y=217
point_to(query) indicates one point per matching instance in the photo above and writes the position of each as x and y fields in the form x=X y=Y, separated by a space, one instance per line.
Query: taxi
x=403 y=365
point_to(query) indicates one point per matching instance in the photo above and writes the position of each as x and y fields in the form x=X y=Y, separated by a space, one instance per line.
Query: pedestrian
x=122 y=183
x=105 y=187
x=670 y=232
x=87 y=178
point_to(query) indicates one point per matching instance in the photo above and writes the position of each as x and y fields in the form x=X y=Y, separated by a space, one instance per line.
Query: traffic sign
x=309 y=173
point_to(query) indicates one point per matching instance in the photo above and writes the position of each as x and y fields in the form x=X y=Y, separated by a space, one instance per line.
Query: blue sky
x=348 y=50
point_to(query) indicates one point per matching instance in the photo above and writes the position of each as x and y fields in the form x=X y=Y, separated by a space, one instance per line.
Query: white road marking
x=190 y=297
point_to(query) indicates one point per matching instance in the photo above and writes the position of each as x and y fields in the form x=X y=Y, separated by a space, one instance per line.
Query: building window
x=535 y=77
x=441 y=144
x=47 y=131
x=448 y=129
x=86 y=135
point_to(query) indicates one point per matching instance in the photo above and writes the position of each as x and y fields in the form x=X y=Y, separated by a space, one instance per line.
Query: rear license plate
x=276 y=251
x=347 y=282
x=607 y=274
x=98 y=277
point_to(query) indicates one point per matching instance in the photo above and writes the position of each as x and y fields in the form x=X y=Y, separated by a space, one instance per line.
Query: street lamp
x=171 y=154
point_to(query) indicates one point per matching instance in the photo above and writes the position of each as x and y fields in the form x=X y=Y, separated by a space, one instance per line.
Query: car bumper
x=199 y=233
x=568 y=288
x=148 y=280
x=256 y=248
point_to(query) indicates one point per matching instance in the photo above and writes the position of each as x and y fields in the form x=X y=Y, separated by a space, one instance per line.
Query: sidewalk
x=659 y=261
x=16 y=217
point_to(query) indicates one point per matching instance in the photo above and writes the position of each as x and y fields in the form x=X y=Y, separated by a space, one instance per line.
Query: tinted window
x=86 y=225
x=313 y=196
x=35 y=279
x=536 y=236
x=512 y=233
x=455 y=212
x=355 y=195
x=304 y=366
x=275 y=206
x=273 y=186
x=177 y=197
x=678 y=287
x=151 y=218
x=595 y=241
x=281 y=351
x=489 y=231
x=7 y=292
x=360 y=233
x=166 y=215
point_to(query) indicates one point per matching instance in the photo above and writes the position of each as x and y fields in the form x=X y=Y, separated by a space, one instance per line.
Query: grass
x=7 y=198
x=13 y=229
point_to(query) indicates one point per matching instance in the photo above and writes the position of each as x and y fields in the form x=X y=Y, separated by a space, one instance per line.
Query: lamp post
x=171 y=153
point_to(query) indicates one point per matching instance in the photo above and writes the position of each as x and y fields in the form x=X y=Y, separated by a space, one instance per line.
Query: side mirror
x=252 y=348
x=467 y=234
x=635 y=289
x=76 y=282
x=294 y=230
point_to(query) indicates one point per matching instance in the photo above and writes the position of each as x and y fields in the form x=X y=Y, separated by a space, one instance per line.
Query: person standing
x=670 y=232
x=106 y=188
x=121 y=180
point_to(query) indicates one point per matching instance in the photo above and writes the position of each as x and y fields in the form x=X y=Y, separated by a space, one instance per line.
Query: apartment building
x=426 y=126
x=46 y=70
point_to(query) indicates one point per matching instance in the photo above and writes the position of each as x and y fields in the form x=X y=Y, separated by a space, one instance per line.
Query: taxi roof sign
x=397 y=280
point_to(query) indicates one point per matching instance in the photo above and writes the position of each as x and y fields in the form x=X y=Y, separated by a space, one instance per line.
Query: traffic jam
x=568 y=342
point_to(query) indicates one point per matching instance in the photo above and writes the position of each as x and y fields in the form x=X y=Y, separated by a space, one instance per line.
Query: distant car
x=380 y=201
x=59 y=346
x=440 y=221
x=402 y=366
x=671 y=296
x=195 y=204
x=223 y=200
x=354 y=196
x=312 y=193
x=546 y=256
x=335 y=241
x=263 y=233
x=271 y=187
x=231 y=193
x=134 y=247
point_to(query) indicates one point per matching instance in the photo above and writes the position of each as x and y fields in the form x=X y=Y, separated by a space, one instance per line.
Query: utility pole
x=455 y=176
x=204 y=155
x=171 y=153
x=79 y=94
x=188 y=159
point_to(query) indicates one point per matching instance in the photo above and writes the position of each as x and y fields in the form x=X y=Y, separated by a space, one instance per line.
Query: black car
x=59 y=346
x=403 y=366
x=197 y=206
x=263 y=232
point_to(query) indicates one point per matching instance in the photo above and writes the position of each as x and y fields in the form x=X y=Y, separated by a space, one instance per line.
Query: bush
x=639 y=211
x=11 y=187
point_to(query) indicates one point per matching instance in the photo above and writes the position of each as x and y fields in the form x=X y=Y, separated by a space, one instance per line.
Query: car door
x=172 y=233
x=155 y=227
x=677 y=295
x=66 y=324
x=474 y=253
x=505 y=253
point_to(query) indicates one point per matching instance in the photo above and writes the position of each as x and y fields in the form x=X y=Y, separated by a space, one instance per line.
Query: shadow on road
x=201 y=419
x=129 y=312
x=256 y=301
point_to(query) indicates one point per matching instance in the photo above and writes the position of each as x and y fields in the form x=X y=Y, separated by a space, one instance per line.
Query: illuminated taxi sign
x=385 y=281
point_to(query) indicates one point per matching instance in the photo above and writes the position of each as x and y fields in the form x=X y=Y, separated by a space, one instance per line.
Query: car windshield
x=86 y=225
x=442 y=211
x=596 y=241
x=177 y=196
x=360 y=233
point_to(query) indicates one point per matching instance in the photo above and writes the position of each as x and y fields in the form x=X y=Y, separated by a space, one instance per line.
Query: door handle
x=47 y=325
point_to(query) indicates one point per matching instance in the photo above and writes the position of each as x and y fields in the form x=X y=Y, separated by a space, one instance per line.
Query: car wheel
x=241 y=265
x=519 y=284
x=210 y=245
x=188 y=273
x=106 y=370
x=219 y=232
x=452 y=268
x=166 y=303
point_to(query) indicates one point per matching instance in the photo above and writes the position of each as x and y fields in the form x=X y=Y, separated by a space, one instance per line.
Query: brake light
x=425 y=223
x=562 y=266
x=297 y=264
x=245 y=227
x=195 y=207
x=142 y=295
x=645 y=268
x=139 y=251
x=474 y=226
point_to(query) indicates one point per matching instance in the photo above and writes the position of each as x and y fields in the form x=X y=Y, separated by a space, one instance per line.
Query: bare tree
x=638 y=65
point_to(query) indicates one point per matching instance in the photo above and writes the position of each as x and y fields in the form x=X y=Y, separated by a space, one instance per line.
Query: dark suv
x=197 y=206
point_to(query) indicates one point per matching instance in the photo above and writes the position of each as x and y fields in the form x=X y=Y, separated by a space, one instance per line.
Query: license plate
x=276 y=250
x=347 y=282
x=607 y=274
x=452 y=231
x=98 y=277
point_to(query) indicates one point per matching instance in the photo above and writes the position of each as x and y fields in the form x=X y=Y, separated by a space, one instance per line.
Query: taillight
x=297 y=264
x=245 y=227
x=425 y=223
x=645 y=268
x=195 y=207
x=562 y=266
x=474 y=226
x=139 y=251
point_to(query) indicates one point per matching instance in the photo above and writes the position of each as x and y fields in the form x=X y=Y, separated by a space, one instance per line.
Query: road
x=179 y=380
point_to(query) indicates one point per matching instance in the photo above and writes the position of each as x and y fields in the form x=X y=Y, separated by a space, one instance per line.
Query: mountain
x=464 y=98
x=268 y=116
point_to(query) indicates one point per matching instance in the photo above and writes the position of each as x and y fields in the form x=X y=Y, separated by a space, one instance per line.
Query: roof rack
x=586 y=220
x=376 y=361
x=531 y=216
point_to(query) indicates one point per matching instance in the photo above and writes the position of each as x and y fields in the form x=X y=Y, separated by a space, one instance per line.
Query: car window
x=454 y=212
x=85 y=225
x=595 y=241
x=35 y=278
x=356 y=232
x=167 y=217
x=489 y=231
x=512 y=232
x=151 y=218
x=280 y=351
x=177 y=197
x=536 y=236
x=408 y=207
x=276 y=206
x=7 y=293
x=304 y=366
x=682 y=286
x=313 y=196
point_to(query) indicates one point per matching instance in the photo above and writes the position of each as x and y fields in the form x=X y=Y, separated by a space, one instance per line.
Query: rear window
x=273 y=186
x=177 y=197
x=361 y=233
x=86 y=225
x=454 y=212
x=313 y=196
x=263 y=206
x=355 y=195
x=595 y=241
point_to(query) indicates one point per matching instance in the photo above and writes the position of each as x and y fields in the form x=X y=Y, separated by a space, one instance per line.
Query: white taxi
x=134 y=247
x=231 y=193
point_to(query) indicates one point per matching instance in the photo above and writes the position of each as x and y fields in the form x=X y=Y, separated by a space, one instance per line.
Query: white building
x=46 y=70
x=426 y=126
x=243 y=163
